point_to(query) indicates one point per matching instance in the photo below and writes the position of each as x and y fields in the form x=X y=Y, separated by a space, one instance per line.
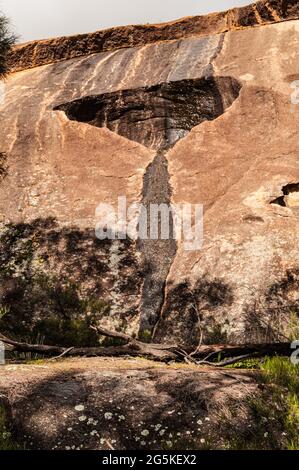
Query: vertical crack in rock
x=3 y=166
x=158 y=255
x=157 y=117
x=210 y=69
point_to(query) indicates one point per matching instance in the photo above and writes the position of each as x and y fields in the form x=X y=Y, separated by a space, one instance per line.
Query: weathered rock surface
x=48 y=51
x=103 y=404
x=246 y=275
x=72 y=136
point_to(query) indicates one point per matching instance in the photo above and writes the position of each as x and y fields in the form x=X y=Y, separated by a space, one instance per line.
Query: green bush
x=7 y=40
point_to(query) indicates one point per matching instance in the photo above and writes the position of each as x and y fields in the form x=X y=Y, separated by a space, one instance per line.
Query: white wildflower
x=91 y=421
x=108 y=415
x=145 y=432
x=82 y=418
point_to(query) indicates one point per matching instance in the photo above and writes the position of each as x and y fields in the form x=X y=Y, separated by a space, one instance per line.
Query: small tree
x=7 y=40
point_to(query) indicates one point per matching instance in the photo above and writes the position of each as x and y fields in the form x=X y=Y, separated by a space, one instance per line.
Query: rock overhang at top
x=42 y=52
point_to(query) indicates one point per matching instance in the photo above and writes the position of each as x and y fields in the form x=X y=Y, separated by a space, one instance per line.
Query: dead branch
x=112 y=334
x=63 y=354
x=231 y=361
x=133 y=349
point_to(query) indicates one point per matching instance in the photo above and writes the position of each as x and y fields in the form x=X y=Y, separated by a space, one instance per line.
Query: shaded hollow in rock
x=156 y=116
x=290 y=196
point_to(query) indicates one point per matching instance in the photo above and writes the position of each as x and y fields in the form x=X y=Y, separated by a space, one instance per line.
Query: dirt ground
x=123 y=404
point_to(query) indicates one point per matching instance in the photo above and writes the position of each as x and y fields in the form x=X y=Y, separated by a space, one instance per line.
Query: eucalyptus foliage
x=7 y=40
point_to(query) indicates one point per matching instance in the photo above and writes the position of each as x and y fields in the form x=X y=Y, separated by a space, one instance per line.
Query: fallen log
x=133 y=349
x=212 y=355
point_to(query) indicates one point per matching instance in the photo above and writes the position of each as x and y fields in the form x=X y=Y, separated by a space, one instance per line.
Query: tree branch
x=112 y=334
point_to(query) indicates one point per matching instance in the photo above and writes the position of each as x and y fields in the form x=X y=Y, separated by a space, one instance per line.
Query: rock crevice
x=290 y=196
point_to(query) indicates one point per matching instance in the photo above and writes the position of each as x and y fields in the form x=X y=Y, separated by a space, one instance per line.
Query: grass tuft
x=274 y=412
x=6 y=441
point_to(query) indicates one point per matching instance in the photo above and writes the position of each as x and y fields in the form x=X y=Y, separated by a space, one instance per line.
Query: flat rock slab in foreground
x=125 y=404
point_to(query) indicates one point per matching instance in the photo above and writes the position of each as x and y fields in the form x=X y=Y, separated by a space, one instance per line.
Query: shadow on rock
x=189 y=312
x=55 y=281
x=128 y=409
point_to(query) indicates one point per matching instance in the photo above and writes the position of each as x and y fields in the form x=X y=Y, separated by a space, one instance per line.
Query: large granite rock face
x=187 y=116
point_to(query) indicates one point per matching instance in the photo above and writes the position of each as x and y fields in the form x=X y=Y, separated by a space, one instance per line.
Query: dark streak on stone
x=157 y=255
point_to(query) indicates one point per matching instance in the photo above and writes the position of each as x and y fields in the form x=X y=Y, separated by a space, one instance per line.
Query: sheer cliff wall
x=190 y=116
